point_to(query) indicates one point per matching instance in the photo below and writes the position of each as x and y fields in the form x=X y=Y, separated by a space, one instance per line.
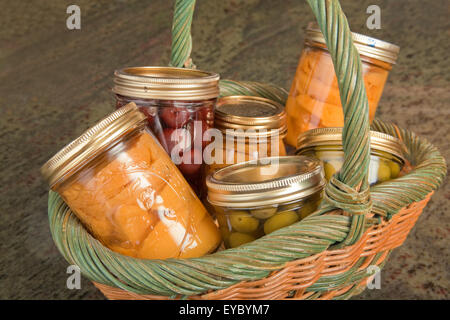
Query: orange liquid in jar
x=136 y=202
x=314 y=100
x=236 y=152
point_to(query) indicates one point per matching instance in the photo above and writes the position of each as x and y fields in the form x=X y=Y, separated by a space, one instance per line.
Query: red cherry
x=174 y=117
x=191 y=166
x=150 y=113
x=206 y=114
x=119 y=104
x=174 y=137
x=197 y=129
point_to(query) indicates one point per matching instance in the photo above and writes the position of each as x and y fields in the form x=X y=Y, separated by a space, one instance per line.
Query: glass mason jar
x=250 y=128
x=314 y=100
x=387 y=157
x=257 y=197
x=179 y=105
x=124 y=188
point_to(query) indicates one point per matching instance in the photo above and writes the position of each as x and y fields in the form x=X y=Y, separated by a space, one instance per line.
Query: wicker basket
x=327 y=255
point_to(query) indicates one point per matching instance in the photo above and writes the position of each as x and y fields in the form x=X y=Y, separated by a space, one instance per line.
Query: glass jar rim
x=166 y=83
x=249 y=184
x=333 y=136
x=248 y=113
x=367 y=46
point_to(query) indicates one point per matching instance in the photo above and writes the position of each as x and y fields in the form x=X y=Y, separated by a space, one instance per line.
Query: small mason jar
x=179 y=105
x=257 y=197
x=124 y=188
x=314 y=100
x=250 y=127
x=387 y=154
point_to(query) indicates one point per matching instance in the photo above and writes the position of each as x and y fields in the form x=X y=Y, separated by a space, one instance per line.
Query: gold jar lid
x=166 y=83
x=99 y=138
x=367 y=46
x=333 y=137
x=245 y=113
x=265 y=181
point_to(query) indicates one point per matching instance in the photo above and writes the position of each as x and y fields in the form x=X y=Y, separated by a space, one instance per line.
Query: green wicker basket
x=326 y=255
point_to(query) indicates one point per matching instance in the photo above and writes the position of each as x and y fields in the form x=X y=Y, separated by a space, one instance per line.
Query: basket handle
x=348 y=189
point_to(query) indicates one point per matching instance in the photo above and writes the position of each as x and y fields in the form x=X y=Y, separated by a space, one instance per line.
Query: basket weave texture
x=331 y=266
x=328 y=255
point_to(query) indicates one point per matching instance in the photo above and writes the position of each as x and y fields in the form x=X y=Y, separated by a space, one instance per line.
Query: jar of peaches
x=124 y=188
x=387 y=153
x=255 y=198
x=248 y=128
x=314 y=100
x=179 y=105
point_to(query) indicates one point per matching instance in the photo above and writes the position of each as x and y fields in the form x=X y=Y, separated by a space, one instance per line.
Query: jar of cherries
x=179 y=104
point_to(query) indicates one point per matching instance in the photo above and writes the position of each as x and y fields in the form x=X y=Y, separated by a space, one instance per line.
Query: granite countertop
x=56 y=83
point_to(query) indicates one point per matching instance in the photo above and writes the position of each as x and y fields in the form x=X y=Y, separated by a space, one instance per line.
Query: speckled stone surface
x=55 y=83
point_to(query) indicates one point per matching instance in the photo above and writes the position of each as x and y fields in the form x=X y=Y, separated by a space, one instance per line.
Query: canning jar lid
x=333 y=137
x=166 y=83
x=245 y=113
x=265 y=181
x=367 y=46
x=99 y=138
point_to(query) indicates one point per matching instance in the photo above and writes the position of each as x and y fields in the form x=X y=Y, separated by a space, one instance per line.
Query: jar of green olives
x=254 y=198
x=387 y=154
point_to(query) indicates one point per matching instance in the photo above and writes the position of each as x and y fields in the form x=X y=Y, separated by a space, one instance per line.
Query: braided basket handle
x=348 y=189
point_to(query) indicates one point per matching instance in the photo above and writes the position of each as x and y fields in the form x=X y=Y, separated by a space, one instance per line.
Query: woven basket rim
x=76 y=244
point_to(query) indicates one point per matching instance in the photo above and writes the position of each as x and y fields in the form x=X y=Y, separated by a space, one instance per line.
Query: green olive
x=307 y=209
x=236 y=239
x=280 y=220
x=330 y=168
x=242 y=221
x=384 y=172
x=395 y=169
x=263 y=213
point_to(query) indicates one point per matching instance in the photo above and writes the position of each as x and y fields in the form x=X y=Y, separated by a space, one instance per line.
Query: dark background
x=55 y=83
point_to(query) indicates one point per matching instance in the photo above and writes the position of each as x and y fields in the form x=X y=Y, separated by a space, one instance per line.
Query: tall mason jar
x=179 y=105
x=314 y=100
